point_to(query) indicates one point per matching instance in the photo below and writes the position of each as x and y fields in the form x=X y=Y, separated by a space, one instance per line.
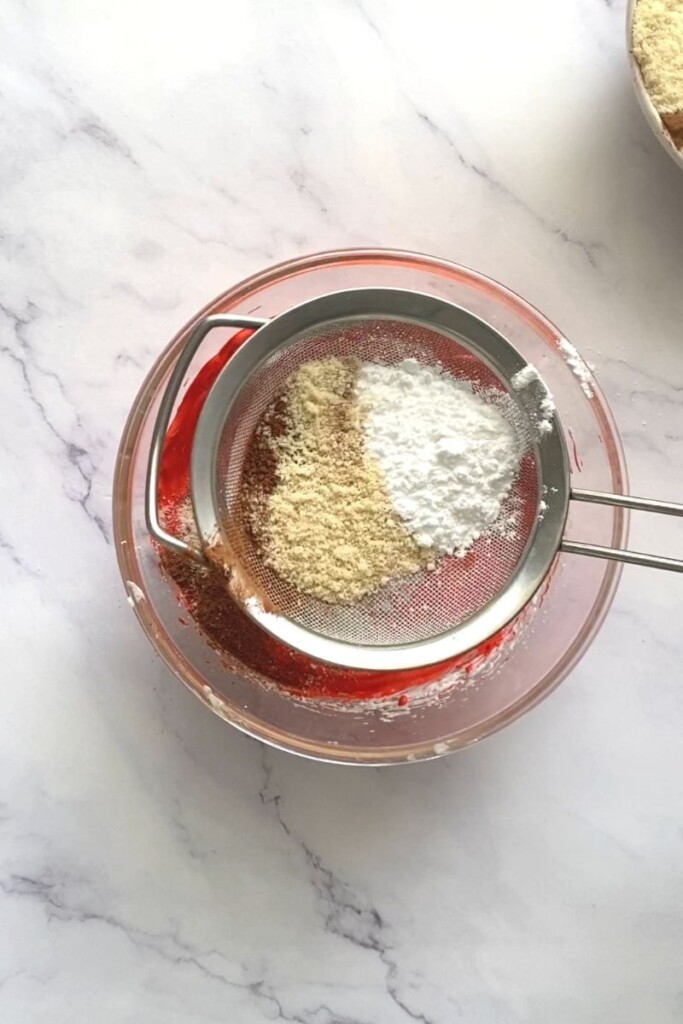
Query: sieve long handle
x=667 y=508
x=163 y=419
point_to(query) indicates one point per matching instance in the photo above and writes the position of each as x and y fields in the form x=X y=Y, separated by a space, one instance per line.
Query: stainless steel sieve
x=436 y=614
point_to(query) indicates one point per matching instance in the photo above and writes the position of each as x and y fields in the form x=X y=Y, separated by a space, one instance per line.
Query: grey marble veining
x=156 y=866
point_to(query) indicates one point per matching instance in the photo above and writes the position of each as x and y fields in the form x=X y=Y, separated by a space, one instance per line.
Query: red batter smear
x=202 y=590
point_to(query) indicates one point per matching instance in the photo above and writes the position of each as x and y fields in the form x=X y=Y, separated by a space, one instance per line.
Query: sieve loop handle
x=667 y=508
x=163 y=419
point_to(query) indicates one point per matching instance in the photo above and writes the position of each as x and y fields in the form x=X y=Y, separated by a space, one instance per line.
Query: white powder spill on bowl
x=578 y=366
x=135 y=594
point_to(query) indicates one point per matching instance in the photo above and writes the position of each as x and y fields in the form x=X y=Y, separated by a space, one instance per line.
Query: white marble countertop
x=155 y=865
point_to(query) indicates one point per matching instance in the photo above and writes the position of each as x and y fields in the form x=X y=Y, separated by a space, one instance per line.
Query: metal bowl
x=646 y=105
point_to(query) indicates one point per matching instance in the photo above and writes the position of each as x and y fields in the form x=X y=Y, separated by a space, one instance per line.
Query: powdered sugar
x=448 y=456
x=578 y=366
x=135 y=594
x=530 y=377
x=524 y=377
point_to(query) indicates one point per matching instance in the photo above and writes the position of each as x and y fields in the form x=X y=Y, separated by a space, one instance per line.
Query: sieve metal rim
x=489 y=346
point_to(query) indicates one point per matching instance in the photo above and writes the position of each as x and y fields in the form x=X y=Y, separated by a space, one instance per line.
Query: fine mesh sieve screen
x=431 y=602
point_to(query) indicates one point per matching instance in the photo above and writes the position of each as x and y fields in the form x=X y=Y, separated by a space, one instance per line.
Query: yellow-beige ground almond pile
x=658 y=48
x=314 y=502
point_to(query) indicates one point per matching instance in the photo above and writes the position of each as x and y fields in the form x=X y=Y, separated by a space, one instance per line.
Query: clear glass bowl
x=438 y=719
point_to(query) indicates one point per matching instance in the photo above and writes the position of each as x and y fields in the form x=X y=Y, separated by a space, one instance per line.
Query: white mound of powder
x=448 y=457
x=578 y=366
